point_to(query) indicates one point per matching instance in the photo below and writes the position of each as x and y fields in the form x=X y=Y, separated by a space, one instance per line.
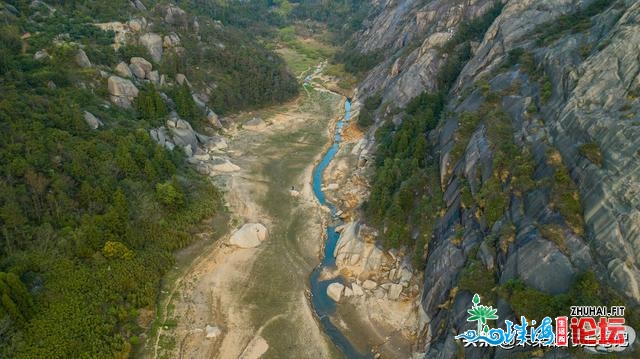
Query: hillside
x=93 y=202
x=500 y=155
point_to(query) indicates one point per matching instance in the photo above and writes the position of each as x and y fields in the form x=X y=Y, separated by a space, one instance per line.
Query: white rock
x=145 y=65
x=249 y=235
x=405 y=275
x=171 y=40
x=332 y=186
x=216 y=143
x=357 y=290
x=137 y=71
x=181 y=78
x=92 y=120
x=379 y=293
x=82 y=60
x=139 y=5
x=137 y=25
x=41 y=55
x=175 y=15
x=334 y=291
x=122 y=91
x=188 y=151
x=394 y=291
x=201 y=157
x=123 y=70
x=369 y=284
x=153 y=43
x=294 y=193
x=154 y=77
x=348 y=292
x=213 y=119
x=212 y=331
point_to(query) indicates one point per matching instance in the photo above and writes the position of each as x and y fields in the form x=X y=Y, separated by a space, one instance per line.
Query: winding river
x=322 y=304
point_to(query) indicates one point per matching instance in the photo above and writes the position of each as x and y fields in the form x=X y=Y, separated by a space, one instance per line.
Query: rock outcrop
x=153 y=43
x=183 y=133
x=335 y=290
x=249 y=235
x=123 y=70
x=569 y=99
x=122 y=91
x=92 y=120
x=141 y=65
x=354 y=253
x=175 y=15
x=82 y=59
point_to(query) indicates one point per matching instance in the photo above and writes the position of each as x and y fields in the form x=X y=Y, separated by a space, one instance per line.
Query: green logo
x=481 y=313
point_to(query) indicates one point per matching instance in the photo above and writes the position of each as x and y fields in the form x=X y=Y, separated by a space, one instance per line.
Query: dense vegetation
x=366 y=114
x=406 y=194
x=89 y=219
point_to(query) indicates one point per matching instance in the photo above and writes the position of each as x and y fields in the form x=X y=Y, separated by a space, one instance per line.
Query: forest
x=406 y=194
x=90 y=219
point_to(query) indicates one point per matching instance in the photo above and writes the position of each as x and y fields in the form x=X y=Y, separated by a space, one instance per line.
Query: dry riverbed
x=251 y=302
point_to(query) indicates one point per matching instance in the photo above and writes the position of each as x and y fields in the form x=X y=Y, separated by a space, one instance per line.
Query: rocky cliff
x=537 y=152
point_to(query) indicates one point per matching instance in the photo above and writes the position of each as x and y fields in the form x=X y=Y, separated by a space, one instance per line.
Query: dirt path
x=256 y=296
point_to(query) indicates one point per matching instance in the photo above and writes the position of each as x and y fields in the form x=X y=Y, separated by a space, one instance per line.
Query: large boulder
x=153 y=43
x=82 y=60
x=182 y=132
x=334 y=291
x=161 y=136
x=92 y=120
x=154 y=77
x=123 y=70
x=249 y=235
x=139 y=5
x=212 y=331
x=394 y=291
x=137 y=25
x=141 y=62
x=175 y=15
x=354 y=253
x=136 y=70
x=122 y=91
x=181 y=78
x=369 y=284
x=357 y=290
x=171 y=40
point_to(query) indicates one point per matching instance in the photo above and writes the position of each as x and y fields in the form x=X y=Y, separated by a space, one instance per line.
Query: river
x=322 y=304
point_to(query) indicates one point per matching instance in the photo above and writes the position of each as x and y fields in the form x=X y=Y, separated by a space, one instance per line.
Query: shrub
x=476 y=278
x=592 y=152
x=554 y=233
x=365 y=117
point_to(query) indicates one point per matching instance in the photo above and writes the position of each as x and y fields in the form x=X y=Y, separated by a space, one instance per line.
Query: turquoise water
x=322 y=304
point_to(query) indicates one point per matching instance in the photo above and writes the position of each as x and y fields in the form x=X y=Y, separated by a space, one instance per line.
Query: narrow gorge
x=317 y=179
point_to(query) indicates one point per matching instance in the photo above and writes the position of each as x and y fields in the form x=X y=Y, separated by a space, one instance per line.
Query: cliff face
x=558 y=80
x=411 y=33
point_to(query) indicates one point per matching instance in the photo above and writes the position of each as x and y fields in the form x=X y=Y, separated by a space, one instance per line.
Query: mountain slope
x=533 y=156
x=91 y=207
